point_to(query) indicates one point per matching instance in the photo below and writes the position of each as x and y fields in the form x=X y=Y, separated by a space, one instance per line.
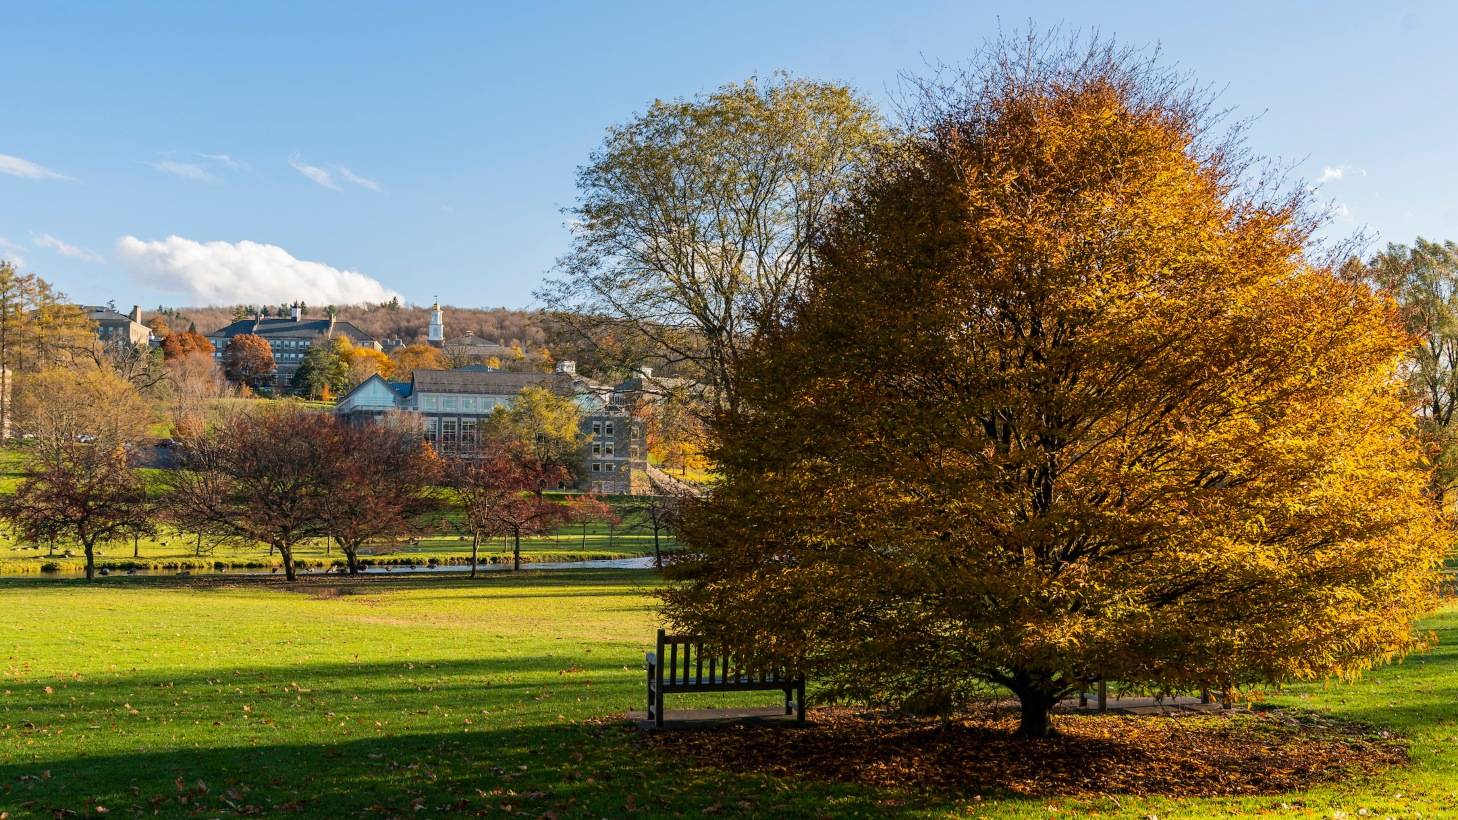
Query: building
x=113 y=328
x=471 y=349
x=453 y=406
x=435 y=334
x=289 y=338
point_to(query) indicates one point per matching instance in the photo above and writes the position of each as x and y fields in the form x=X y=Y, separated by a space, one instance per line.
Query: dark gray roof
x=488 y=382
x=106 y=316
x=270 y=328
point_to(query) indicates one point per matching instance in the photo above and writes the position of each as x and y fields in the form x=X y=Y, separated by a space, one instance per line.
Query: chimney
x=137 y=314
x=330 y=332
x=645 y=372
x=567 y=366
x=296 y=312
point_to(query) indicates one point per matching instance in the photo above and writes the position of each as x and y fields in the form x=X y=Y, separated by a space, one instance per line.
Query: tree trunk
x=657 y=553
x=1036 y=698
x=515 y=550
x=287 y=553
x=475 y=547
x=90 y=561
x=136 y=548
x=351 y=557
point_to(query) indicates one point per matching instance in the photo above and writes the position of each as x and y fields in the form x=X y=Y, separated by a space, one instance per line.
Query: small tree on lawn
x=384 y=483
x=509 y=498
x=659 y=513
x=257 y=477
x=1068 y=400
x=86 y=493
x=475 y=482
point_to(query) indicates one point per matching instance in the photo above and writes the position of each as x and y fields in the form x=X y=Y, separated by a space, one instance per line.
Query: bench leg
x=650 y=690
x=800 y=703
x=658 y=710
x=789 y=700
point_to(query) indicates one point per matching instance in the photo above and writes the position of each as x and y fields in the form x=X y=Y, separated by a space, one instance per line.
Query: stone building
x=453 y=405
x=289 y=339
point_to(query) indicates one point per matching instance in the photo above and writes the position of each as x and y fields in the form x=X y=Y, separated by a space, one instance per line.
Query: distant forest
x=524 y=328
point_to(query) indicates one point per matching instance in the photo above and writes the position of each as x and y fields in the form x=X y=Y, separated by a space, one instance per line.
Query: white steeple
x=436 y=334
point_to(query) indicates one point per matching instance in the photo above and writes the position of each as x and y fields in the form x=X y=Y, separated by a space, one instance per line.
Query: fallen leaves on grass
x=1206 y=755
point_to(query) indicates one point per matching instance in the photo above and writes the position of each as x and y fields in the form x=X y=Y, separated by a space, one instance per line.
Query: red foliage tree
x=87 y=493
x=248 y=360
x=264 y=476
x=384 y=485
x=176 y=345
x=503 y=492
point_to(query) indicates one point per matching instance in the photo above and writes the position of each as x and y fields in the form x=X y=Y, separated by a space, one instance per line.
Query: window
x=633 y=451
x=633 y=431
x=429 y=402
x=468 y=403
x=596 y=468
x=608 y=428
x=607 y=449
x=468 y=434
x=610 y=467
x=597 y=428
x=448 y=403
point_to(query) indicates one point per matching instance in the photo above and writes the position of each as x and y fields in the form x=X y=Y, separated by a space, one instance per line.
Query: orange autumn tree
x=1067 y=400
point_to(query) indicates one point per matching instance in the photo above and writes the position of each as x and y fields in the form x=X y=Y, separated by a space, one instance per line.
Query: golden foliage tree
x=1068 y=400
x=418 y=356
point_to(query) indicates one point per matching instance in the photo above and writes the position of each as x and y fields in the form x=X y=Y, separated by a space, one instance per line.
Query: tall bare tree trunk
x=475 y=547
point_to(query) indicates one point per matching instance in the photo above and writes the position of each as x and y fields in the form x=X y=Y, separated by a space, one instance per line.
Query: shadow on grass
x=336 y=740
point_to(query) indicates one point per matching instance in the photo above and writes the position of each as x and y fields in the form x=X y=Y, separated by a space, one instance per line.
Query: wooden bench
x=682 y=665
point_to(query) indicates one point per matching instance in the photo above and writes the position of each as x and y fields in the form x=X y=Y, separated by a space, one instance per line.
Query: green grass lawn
x=396 y=697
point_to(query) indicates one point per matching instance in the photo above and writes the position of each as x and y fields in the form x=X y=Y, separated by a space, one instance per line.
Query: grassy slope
x=446 y=690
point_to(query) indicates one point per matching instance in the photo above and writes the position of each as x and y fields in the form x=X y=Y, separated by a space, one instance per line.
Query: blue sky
x=430 y=147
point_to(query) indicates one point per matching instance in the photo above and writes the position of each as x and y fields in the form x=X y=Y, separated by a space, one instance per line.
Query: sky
x=191 y=153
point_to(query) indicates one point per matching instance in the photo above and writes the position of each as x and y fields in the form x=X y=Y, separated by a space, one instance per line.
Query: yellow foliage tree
x=418 y=356
x=1068 y=401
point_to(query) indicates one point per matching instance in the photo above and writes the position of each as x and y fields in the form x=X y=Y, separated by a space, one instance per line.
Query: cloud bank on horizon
x=230 y=273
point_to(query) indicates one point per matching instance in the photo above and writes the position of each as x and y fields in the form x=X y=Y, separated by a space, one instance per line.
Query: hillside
x=526 y=328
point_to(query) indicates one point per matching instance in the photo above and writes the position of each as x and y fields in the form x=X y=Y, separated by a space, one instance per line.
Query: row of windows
x=604 y=467
x=469 y=403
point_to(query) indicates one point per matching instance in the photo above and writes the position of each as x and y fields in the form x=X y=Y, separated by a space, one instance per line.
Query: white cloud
x=45 y=240
x=226 y=161
x=1342 y=211
x=1334 y=173
x=184 y=170
x=10 y=252
x=314 y=172
x=362 y=182
x=223 y=273
x=17 y=167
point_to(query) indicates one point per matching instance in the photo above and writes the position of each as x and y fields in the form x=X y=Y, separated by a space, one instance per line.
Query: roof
x=486 y=382
x=103 y=314
x=275 y=328
x=471 y=343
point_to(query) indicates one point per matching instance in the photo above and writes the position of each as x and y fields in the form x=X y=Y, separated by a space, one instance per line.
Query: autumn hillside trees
x=1067 y=400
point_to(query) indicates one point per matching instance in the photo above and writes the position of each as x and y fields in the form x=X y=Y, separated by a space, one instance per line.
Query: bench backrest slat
x=725 y=668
